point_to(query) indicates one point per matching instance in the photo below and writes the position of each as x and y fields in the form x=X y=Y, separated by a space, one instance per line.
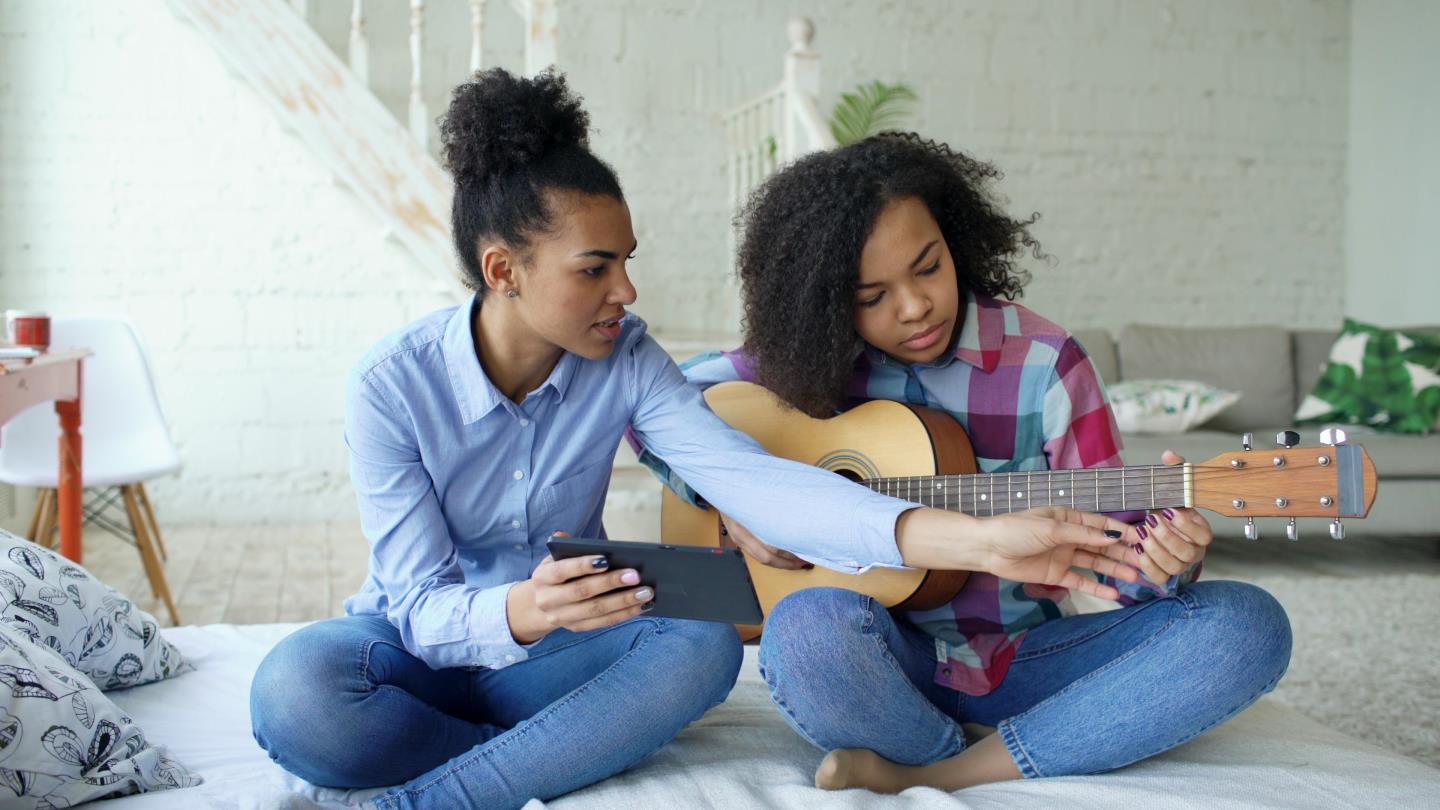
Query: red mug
x=27 y=328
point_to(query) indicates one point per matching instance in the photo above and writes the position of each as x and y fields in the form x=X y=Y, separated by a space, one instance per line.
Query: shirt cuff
x=873 y=537
x=496 y=648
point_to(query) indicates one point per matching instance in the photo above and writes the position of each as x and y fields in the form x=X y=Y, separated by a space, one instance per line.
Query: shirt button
x=524 y=423
x=519 y=547
x=518 y=474
x=509 y=659
x=514 y=524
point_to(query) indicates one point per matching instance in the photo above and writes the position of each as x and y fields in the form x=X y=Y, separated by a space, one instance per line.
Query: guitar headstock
x=1334 y=480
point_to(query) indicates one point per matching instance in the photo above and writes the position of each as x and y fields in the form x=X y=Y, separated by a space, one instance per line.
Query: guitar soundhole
x=849 y=464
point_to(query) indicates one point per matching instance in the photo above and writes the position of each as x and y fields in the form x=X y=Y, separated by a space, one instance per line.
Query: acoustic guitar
x=923 y=456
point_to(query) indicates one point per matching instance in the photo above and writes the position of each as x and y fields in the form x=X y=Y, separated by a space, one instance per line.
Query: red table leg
x=70 y=481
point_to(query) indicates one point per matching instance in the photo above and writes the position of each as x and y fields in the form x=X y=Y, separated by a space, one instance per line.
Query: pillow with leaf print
x=62 y=742
x=96 y=629
x=1388 y=379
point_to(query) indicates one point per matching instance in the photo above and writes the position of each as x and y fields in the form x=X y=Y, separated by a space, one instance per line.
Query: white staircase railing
x=779 y=125
x=771 y=130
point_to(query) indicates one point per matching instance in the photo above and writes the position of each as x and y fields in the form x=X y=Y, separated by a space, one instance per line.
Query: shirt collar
x=981 y=334
x=475 y=395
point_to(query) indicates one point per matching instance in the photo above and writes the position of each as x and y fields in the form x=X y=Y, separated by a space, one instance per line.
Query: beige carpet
x=1367 y=657
x=1366 y=618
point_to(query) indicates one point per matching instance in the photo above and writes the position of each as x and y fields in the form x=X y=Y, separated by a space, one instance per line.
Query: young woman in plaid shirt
x=884 y=270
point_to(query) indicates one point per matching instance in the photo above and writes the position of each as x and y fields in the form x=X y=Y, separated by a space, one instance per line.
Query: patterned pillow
x=1384 y=378
x=1166 y=406
x=98 y=631
x=62 y=742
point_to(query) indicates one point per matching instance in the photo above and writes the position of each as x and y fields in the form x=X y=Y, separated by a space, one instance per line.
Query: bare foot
x=859 y=768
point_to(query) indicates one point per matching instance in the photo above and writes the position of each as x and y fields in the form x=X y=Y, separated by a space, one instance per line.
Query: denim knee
x=792 y=629
x=294 y=690
x=712 y=650
x=1247 y=626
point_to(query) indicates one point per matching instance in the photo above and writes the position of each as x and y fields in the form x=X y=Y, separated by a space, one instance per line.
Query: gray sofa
x=1274 y=369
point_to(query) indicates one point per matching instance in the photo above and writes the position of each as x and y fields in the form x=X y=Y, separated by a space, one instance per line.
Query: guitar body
x=877 y=439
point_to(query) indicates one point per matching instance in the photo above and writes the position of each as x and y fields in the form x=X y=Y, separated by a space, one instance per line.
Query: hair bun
x=497 y=122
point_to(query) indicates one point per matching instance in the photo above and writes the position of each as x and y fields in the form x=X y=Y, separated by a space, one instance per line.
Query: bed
x=742 y=755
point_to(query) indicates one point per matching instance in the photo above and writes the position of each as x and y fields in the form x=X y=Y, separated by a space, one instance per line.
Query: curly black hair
x=803 y=233
x=506 y=140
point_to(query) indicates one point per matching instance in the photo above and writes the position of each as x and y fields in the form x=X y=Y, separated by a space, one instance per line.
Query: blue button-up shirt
x=459 y=487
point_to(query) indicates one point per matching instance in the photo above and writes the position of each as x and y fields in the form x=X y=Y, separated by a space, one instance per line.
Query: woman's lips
x=610 y=328
x=925 y=339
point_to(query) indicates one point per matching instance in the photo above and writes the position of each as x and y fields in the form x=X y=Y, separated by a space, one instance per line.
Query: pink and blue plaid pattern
x=1028 y=396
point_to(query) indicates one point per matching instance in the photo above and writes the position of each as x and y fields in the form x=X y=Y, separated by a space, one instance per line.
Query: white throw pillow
x=1166 y=406
x=62 y=742
x=96 y=629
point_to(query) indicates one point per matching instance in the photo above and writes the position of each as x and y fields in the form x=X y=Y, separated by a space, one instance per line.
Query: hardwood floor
x=241 y=574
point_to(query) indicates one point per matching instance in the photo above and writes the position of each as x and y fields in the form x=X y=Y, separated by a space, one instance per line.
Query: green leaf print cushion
x=1385 y=378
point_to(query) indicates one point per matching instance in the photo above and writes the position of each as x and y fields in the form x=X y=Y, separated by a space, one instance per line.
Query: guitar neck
x=1110 y=489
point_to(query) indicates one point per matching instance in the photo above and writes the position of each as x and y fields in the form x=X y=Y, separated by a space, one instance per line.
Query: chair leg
x=154 y=571
x=46 y=515
x=37 y=515
x=154 y=526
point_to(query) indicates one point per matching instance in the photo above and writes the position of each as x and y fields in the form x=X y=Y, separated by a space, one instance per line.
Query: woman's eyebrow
x=916 y=263
x=606 y=254
x=923 y=251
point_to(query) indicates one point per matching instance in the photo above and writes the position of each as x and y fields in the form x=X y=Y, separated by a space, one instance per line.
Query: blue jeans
x=341 y=703
x=1084 y=694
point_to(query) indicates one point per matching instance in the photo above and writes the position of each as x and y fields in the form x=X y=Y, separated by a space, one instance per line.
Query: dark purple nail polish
x=1142 y=531
x=1152 y=520
x=1114 y=535
x=1168 y=513
x=599 y=562
x=647 y=606
x=1139 y=549
x=809 y=566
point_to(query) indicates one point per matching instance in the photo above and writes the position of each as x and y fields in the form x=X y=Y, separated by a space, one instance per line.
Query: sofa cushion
x=1384 y=378
x=1312 y=355
x=1098 y=344
x=1254 y=360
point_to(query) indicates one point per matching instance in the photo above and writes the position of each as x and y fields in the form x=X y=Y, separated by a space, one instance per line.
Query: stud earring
x=512 y=293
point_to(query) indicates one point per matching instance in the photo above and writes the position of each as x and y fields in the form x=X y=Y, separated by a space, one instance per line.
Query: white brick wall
x=1187 y=157
x=140 y=178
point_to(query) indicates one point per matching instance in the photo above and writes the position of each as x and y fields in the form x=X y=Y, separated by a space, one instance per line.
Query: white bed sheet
x=742 y=755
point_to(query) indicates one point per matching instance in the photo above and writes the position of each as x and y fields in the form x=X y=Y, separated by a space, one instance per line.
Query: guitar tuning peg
x=1252 y=532
x=1292 y=532
x=1337 y=530
x=1287 y=439
x=1332 y=436
x=1246 y=440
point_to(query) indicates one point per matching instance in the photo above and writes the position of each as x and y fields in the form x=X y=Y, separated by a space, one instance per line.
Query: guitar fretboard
x=1113 y=489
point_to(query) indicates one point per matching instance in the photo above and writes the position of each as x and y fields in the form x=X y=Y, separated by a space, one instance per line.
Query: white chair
x=124 y=442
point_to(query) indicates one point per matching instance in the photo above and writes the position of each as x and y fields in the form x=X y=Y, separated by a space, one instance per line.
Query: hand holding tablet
x=690 y=582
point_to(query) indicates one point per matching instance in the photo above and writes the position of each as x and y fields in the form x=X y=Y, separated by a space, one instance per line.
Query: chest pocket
x=568 y=504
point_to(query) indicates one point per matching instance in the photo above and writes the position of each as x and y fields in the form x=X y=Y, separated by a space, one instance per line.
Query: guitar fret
x=985 y=495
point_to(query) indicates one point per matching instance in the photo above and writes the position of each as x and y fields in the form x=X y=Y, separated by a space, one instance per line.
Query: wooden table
x=52 y=376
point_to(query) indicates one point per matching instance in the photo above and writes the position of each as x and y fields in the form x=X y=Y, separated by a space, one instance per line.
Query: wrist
x=941 y=540
x=526 y=624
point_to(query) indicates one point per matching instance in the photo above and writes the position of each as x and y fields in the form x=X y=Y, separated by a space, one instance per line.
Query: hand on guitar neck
x=1041 y=545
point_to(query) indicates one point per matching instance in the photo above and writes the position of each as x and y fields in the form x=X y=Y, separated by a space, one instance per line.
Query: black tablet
x=690 y=582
